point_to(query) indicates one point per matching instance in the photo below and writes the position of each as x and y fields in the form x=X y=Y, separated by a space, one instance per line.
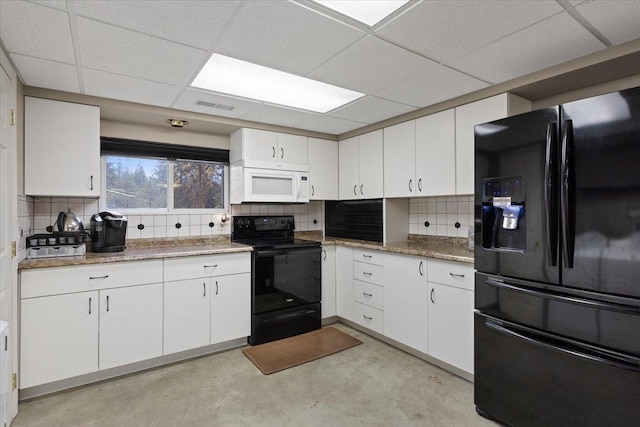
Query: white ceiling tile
x=444 y=30
x=188 y=99
x=47 y=74
x=433 y=86
x=279 y=116
x=371 y=65
x=58 y=4
x=37 y=31
x=370 y=109
x=618 y=21
x=553 y=41
x=108 y=48
x=114 y=86
x=331 y=125
x=285 y=36
x=195 y=23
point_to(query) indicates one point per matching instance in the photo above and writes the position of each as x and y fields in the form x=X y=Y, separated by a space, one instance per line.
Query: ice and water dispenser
x=503 y=214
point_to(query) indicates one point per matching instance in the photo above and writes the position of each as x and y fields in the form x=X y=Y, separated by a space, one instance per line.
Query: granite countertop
x=142 y=249
x=446 y=248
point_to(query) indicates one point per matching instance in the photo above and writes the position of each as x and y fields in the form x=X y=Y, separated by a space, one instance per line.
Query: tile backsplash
x=37 y=213
x=442 y=214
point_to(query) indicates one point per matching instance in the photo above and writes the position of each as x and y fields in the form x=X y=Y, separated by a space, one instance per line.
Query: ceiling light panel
x=234 y=77
x=368 y=12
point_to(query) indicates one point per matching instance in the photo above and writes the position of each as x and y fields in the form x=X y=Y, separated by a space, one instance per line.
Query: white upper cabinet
x=435 y=154
x=265 y=149
x=360 y=167
x=323 y=169
x=61 y=148
x=400 y=160
x=475 y=113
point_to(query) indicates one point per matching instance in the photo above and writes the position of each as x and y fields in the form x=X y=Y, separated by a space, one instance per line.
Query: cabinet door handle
x=89 y=305
x=355 y=192
x=313 y=190
x=432 y=296
x=324 y=253
x=361 y=187
x=281 y=153
x=274 y=152
x=366 y=256
x=204 y=288
x=420 y=184
x=367 y=273
x=91 y=182
x=107 y=302
x=211 y=266
x=98 y=277
x=216 y=287
x=367 y=295
x=456 y=275
x=411 y=186
x=367 y=317
x=420 y=268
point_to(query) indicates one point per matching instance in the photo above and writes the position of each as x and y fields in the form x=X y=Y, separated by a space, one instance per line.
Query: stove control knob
x=288 y=221
x=282 y=221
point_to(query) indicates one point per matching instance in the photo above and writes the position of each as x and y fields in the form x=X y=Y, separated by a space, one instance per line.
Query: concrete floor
x=372 y=384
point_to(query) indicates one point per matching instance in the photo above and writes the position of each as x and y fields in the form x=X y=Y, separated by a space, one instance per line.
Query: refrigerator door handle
x=563 y=298
x=567 y=194
x=550 y=199
x=579 y=350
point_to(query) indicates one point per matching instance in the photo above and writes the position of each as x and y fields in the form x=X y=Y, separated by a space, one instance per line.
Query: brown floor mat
x=283 y=354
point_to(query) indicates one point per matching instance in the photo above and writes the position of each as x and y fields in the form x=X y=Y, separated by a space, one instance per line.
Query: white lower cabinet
x=187 y=314
x=130 y=325
x=328 y=281
x=451 y=303
x=451 y=325
x=344 y=282
x=59 y=337
x=406 y=300
x=230 y=307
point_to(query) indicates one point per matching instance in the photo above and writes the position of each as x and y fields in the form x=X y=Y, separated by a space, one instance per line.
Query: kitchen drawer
x=366 y=293
x=63 y=280
x=450 y=273
x=368 y=317
x=368 y=256
x=368 y=273
x=193 y=267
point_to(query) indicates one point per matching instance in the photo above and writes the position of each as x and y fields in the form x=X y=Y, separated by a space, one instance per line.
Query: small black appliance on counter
x=108 y=232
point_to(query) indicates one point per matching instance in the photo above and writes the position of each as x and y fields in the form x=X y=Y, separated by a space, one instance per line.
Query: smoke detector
x=177 y=123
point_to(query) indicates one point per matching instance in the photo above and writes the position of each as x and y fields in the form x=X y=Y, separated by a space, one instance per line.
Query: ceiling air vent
x=213 y=105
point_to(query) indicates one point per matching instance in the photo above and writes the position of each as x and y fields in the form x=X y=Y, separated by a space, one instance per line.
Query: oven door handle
x=270 y=253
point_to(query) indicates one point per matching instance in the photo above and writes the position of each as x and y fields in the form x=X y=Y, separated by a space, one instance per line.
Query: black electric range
x=286 y=280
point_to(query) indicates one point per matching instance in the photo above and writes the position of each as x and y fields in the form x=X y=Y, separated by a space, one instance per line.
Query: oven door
x=285 y=278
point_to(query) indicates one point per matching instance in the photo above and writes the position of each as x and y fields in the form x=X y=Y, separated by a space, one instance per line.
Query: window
x=161 y=185
x=144 y=176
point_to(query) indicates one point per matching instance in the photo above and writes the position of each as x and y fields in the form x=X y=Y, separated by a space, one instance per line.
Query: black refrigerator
x=557 y=259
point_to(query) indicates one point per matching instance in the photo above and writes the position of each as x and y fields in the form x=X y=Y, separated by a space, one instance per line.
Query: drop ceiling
x=430 y=51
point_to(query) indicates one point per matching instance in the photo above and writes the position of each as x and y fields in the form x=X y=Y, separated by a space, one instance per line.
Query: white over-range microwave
x=249 y=184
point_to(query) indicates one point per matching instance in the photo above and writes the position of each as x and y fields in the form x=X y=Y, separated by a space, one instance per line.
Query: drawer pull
x=211 y=266
x=367 y=274
x=367 y=317
x=366 y=256
x=456 y=275
x=367 y=295
x=98 y=277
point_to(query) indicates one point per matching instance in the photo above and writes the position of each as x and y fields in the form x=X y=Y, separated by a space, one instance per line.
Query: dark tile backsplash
x=354 y=219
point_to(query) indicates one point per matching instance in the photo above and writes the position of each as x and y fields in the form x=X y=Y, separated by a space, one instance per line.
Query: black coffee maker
x=108 y=232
